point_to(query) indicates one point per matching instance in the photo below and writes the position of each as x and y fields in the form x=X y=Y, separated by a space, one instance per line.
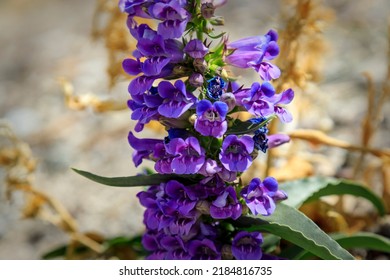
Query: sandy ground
x=42 y=40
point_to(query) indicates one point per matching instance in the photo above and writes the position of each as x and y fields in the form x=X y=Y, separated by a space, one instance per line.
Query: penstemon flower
x=182 y=82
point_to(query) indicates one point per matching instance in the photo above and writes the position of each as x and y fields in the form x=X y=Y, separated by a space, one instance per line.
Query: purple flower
x=172 y=28
x=260 y=197
x=226 y=205
x=250 y=52
x=142 y=113
x=143 y=148
x=209 y=186
x=174 y=16
x=175 y=247
x=226 y=175
x=173 y=9
x=203 y=250
x=133 y=7
x=196 y=49
x=211 y=118
x=151 y=242
x=281 y=99
x=275 y=140
x=235 y=153
x=139 y=86
x=148 y=198
x=177 y=100
x=184 y=226
x=209 y=168
x=177 y=192
x=246 y=245
x=257 y=102
x=189 y=156
x=151 y=45
x=163 y=164
x=267 y=71
x=153 y=66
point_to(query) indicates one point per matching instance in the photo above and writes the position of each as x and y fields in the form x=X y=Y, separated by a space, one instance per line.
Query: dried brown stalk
x=19 y=165
x=317 y=137
x=88 y=100
x=301 y=49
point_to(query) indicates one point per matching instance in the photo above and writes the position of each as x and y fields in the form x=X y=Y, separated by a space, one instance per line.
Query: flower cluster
x=192 y=216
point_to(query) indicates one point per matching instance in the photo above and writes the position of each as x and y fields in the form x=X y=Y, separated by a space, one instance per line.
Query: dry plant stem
x=385 y=172
x=84 y=101
x=319 y=138
x=367 y=125
x=20 y=167
x=288 y=50
x=374 y=110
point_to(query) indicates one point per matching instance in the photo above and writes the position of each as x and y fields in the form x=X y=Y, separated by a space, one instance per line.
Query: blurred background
x=49 y=46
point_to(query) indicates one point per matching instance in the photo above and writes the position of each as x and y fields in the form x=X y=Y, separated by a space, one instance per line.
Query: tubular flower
x=251 y=51
x=192 y=213
x=235 y=153
x=260 y=197
x=246 y=245
x=211 y=118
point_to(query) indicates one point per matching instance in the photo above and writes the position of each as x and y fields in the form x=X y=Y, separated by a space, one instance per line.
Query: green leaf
x=363 y=240
x=213 y=36
x=311 y=189
x=136 y=181
x=55 y=253
x=294 y=226
x=239 y=127
x=270 y=243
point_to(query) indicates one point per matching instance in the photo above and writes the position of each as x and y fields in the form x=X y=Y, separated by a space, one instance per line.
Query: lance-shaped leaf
x=311 y=189
x=294 y=226
x=239 y=127
x=137 y=180
x=362 y=240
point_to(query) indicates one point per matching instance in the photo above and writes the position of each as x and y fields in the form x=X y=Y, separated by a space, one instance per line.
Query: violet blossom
x=211 y=118
x=235 y=153
x=246 y=245
x=260 y=196
x=187 y=215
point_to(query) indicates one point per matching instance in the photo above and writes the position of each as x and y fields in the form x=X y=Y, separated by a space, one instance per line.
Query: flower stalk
x=183 y=83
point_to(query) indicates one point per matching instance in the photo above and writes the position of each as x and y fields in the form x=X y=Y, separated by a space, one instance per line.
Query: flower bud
x=196 y=80
x=200 y=65
x=207 y=10
x=217 y=21
x=229 y=99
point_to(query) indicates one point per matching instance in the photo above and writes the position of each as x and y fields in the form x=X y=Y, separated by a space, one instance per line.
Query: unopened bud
x=200 y=65
x=217 y=21
x=229 y=99
x=196 y=80
x=207 y=10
